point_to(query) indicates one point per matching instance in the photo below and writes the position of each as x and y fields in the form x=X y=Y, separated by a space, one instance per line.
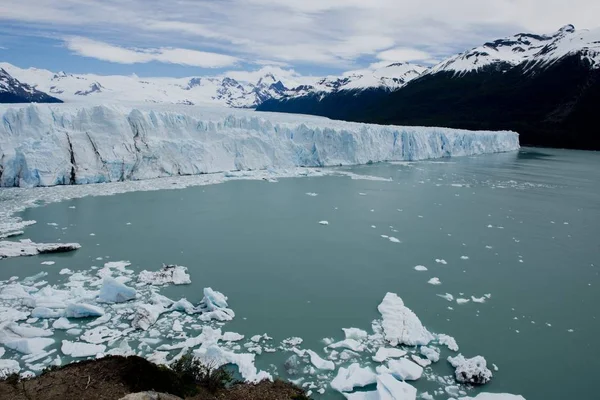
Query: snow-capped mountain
x=14 y=91
x=535 y=50
x=391 y=77
x=545 y=87
x=221 y=90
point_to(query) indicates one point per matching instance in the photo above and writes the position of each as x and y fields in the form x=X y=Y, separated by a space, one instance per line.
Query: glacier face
x=47 y=144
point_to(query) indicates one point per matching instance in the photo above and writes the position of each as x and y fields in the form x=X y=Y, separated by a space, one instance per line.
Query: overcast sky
x=311 y=37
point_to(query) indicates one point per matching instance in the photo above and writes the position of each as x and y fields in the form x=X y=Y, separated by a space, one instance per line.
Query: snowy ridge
x=213 y=90
x=535 y=50
x=391 y=77
x=46 y=145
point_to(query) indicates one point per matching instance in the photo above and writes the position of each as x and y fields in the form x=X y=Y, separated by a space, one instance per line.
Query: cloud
x=340 y=34
x=403 y=54
x=116 y=54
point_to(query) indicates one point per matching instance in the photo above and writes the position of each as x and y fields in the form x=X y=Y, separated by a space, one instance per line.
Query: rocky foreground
x=132 y=378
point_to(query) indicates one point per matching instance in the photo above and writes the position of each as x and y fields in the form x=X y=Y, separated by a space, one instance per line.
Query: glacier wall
x=46 y=145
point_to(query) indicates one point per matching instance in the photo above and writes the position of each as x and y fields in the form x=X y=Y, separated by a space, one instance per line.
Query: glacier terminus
x=62 y=144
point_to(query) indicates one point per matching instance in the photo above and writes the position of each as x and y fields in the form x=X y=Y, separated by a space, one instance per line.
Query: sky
x=298 y=37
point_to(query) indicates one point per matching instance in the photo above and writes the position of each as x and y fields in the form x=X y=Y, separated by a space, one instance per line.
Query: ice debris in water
x=434 y=281
x=324 y=222
x=214 y=306
x=441 y=261
x=383 y=353
x=353 y=377
x=113 y=291
x=400 y=324
x=82 y=310
x=311 y=194
x=174 y=274
x=421 y=268
x=320 y=363
x=404 y=369
x=26 y=247
x=470 y=370
x=79 y=349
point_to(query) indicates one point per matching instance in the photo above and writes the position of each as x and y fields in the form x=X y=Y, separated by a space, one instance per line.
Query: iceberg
x=494 y=396
x=214 y=306
x=47 y=145
x=113 y=291
x=389 y=388
x=354 y=376
x=400 y=324
x=405 y=370
x=82 y=310
x=470 y=370
x=174 y=274
x=26 y=247
x=79 y=350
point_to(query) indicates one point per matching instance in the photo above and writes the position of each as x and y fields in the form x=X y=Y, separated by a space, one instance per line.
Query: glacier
x=62 y=144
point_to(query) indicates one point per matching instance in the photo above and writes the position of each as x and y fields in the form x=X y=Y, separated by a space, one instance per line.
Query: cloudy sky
x=311 y=37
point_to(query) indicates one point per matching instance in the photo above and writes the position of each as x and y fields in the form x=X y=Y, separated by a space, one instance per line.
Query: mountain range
x=221 y=90
x=545 y=87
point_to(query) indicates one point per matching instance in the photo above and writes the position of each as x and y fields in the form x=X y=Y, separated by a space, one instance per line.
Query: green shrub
x=192 y=373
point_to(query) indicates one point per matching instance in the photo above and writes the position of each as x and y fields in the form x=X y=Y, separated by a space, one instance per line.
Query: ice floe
x=420 y=268
x=434 y=281
x=26 y=247
x=113 y=291
x=347 y=379
x=168 y=274
x=470 y=370
x=400 y=324
x=323 y=222
x=494 y=396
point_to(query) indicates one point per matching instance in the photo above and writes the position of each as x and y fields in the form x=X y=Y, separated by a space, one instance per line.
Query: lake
x=522 y=227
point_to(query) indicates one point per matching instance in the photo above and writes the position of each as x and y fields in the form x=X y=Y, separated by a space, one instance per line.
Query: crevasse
x=46 y=145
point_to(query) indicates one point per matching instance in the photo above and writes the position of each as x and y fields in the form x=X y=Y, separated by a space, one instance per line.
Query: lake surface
x=529 y=223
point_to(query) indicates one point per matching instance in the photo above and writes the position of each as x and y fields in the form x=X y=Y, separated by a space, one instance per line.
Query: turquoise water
x=260 y=243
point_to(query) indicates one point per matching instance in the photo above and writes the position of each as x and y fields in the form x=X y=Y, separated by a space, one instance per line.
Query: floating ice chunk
x=441 y=261
x=26 y=247
x=470 y=370
x=174 y=274
x=423 y=362
x=426 y=396
x=79 y=349
x=432 y=353
x=28 y=345
x=446 y=296
x=217 y=357
x=350 y=344
x=23 y=331
x=352 y=377
x=63 y=323
x=494 y=396
x=48 y=263
x=389 y=388
x=464 y=257
x=447 y=341
x=312 y=194
x=146 y=315
x=373 y=395
x=100 y=334
x=232 y=337
x=294 y=341
x=82 y=310
x=319 y=363
x=113 y=291
x=405 y=370
x=355 y=333
x=13 y=292
x=383 y=353
x=45 y=313
x=324 y=222
x=400 y=324
x=65 y=271
x=478 y=299
x=214 y=306
x=421 y=268
x=462 y=301
x=8 y=367
x=185 y=306
x=434 y=281
x=177 y=327
x=394 y=240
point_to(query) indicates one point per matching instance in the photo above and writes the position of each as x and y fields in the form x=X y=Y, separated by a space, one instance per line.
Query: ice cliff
x=46 y=145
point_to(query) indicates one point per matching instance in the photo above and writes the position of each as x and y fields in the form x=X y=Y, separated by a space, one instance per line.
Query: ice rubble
x=400 y=324
x=470 y=370
x=164 y=330
x=47 y=145
x=174 y=274
x=26 y=247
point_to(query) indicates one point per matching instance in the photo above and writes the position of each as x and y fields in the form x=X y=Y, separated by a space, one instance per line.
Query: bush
x=193 y=373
